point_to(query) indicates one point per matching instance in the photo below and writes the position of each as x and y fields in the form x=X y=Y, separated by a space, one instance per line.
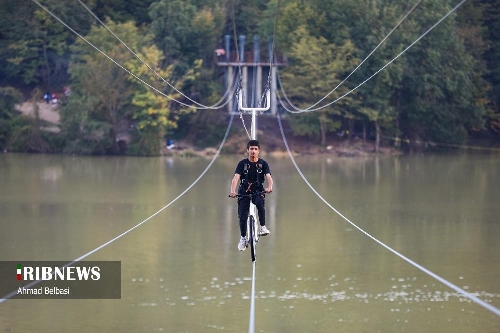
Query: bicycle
x=252 y=225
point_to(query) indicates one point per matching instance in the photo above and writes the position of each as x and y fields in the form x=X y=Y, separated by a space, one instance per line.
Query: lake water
x=182 y=272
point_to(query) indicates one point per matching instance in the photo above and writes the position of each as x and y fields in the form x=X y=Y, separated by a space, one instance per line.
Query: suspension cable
x=13 y=293
x=376 y=73
x=271 y=56
x=362 y=62
x=411 y=262
x=239 y=89
x=111 y=59
x=215 y=106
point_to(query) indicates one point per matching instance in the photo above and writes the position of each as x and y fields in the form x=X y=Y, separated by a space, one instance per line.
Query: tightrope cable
x=360 y=64
x=13 y=293
x=200 y=106
x=470 y=296
x=114 y=61
x=377 y=72
x=251 y=323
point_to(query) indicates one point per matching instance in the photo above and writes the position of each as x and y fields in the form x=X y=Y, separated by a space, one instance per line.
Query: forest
x=429 y=77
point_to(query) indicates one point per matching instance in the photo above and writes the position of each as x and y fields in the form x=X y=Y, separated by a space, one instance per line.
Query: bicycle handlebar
x=250 y=194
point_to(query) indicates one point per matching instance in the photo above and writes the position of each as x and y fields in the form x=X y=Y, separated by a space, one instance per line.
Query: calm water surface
x=181 y=271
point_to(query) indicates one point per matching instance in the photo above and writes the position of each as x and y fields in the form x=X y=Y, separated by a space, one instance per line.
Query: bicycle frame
x=252 y=225
x=252 y=231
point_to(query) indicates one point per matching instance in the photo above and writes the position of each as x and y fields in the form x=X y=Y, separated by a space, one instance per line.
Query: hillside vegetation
x=444 y=90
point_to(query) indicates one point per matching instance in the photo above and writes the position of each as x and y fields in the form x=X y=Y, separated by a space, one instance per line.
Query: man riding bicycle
x=250 y=175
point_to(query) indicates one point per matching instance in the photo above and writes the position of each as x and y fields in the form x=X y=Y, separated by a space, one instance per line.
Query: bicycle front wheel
x=252 y=236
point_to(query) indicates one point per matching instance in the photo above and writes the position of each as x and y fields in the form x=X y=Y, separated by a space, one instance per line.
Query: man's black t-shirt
x=253 y=172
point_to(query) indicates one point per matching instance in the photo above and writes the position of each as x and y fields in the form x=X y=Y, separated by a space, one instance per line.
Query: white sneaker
x=263 y=231
x=242 y=245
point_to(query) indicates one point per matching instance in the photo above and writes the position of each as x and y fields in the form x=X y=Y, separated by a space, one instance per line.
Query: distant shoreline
x=304 y=148
x=269 y=136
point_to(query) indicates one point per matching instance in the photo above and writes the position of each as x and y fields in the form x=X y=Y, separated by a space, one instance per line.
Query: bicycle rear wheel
x=256 y=229
x=252 y=236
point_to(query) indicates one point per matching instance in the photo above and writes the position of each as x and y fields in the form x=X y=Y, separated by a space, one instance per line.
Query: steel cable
x=470 y=296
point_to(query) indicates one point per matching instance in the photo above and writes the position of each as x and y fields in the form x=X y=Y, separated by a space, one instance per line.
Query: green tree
x=107 y=84
x=35 y=47
x=115 y=98
x=27 y=135
x=371 y=22
x=435 y=91
x=156 y=115
x=491 y=26
x=171 y=26
x=123 y=10
x=315 y=69
x=291 y=16
x=185 y=32
x=81 y=131
x=8 y=98
x=247 y=16
x=439 y=97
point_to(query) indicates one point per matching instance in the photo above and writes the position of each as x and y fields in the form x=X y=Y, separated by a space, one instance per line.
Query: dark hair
x=253 y=143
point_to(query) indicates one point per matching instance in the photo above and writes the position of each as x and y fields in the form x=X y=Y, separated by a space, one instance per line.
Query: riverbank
x=298 y=147
x=269 y=135
x=272 y=144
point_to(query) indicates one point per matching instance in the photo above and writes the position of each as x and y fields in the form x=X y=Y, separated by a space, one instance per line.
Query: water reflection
x=181 y=271
x=403 y=291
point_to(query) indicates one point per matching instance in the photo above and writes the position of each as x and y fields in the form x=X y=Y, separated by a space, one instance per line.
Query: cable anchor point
x=267 y=107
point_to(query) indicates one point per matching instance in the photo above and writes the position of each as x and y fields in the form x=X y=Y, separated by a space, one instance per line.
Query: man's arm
x=234 y=184
x=269 y=187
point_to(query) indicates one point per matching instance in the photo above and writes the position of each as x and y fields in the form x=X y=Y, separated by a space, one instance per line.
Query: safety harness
x=254 y=184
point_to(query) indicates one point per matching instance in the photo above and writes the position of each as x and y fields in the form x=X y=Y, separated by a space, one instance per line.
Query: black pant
x=244 y=206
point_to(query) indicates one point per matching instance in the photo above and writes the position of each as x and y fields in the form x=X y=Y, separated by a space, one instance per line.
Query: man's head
x=253 y=143
x=253 y=149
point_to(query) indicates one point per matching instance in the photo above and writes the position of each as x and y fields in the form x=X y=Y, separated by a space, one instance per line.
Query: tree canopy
x=444 y=89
